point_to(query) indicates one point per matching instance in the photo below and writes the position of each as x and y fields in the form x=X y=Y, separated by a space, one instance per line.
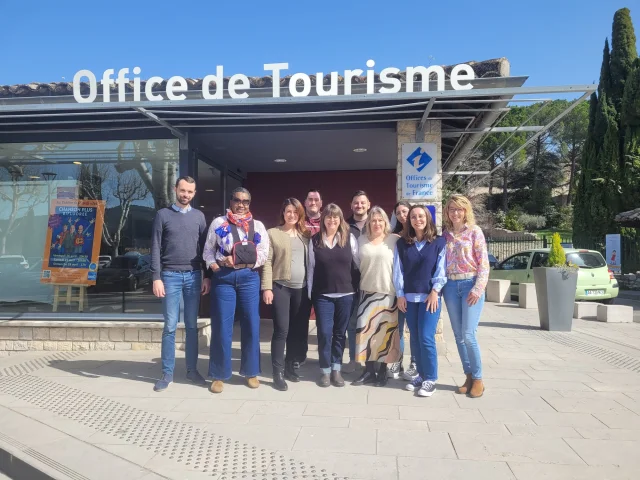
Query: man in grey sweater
x=177 y=241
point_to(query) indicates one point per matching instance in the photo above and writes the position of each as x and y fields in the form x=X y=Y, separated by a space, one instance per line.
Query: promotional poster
x=73 y=240
x=614 y=253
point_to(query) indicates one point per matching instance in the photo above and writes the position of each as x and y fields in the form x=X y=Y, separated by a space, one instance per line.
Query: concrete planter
x=556 y=292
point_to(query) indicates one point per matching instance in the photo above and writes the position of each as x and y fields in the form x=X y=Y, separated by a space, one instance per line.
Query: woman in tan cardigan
x=284 y=287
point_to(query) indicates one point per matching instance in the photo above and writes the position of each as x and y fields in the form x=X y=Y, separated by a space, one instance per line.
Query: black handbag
x=244 y=252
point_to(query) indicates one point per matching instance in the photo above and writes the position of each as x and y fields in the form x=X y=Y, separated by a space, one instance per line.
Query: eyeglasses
x=456 y=210
x=246 y=203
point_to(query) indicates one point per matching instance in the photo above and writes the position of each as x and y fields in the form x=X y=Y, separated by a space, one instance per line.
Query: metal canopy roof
x=466 y=116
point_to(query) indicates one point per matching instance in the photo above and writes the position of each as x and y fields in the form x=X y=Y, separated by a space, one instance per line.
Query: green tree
x=623 y=53
x=557 y=257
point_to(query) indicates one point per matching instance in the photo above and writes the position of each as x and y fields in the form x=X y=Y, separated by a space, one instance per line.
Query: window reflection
x=132 y=178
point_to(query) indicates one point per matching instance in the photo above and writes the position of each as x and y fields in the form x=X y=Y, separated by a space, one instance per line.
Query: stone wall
x=18 y=336
x=407 y=132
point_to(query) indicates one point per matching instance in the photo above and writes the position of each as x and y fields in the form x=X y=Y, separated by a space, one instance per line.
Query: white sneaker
x=349 y=367
x=428 y=388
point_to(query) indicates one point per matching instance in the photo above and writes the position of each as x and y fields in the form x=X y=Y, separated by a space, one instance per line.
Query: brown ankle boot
x=477 y=388
x=464 y=389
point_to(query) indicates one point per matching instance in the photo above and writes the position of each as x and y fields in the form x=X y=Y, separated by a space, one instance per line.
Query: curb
x=15 y=467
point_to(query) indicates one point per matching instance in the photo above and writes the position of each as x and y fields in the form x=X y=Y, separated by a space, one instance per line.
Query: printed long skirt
x=377 y=335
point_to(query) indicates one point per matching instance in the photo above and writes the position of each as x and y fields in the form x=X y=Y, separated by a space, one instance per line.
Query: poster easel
x=66 y=289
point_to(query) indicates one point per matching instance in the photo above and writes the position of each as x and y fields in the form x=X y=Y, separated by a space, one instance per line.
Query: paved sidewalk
x=557 y=406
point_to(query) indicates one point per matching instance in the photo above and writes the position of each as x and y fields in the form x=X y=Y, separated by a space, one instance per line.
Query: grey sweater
x=177 y=241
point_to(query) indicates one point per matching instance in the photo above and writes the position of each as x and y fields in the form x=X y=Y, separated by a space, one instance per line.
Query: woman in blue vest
x=418 y=276
x=332 y=282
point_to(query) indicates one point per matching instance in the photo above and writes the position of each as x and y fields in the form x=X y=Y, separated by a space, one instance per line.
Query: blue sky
x=554 y=42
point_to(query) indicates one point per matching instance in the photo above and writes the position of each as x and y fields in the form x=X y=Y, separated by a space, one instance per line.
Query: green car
x=595 y=281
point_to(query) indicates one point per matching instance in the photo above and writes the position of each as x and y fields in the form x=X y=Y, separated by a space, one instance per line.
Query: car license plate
x=594 y=292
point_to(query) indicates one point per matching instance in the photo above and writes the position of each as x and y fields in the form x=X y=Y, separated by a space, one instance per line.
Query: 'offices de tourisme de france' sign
x=238 y=86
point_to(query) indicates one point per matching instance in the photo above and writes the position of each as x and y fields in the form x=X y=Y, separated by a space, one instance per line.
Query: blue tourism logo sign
x=420 y=171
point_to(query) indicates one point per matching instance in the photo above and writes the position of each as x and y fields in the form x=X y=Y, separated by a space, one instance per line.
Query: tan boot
x=464 y=389
x=216 y=386
x=477 y=388
x=253 y=382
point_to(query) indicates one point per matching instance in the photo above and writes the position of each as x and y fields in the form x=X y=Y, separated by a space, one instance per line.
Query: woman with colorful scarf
x=237 y=245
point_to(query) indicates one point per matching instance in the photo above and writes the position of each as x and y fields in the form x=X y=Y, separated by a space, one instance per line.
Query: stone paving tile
x=503 y=402
x=542 y=431
x=532 y=392
x=84 y=458
x=506 y=416
x=565 y=419
x=386 y=396
x=231 y=418
x=586 y=405
x=607 y=452
x=418 y=468
x=537 y=471
x=331 y=394
x=299 y=421
x=441 y=414
x=609 y=434
x=452 y=427
x=353 y=465
x=549 y=385
x=353 y=411
x=211 y=405
x=560 y=376
x=385 y=424
x=514 y=448
x=414 y=443
x=338 y=440
x=262 y=407
x=272 y=437
x=616 y=420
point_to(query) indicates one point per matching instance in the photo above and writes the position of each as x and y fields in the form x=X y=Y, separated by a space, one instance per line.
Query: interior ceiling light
x=77 y=163
x=209 y=190
x=360 y=150
x=280 y=160
x=34 y=177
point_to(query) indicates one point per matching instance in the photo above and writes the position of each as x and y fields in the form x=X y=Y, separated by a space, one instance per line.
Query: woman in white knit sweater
x=377 y=336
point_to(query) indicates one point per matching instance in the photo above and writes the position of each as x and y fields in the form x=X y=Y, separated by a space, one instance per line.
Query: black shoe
x=278 y=381
x=382 y=376
x=290 y=373
x=336 y=379
x=368 y=376
x=324 y=381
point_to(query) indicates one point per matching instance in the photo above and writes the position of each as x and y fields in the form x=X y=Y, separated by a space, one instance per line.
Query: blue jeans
x=402 y=318
x=422 y=328
x=464 y=323
x=178 y=286
x=332 y=319
x=232 y=288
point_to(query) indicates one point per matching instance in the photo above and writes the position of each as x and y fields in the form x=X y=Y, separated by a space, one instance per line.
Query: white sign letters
x=239 y=84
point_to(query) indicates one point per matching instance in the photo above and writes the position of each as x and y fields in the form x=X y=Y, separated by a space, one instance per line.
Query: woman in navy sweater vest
x=418 y=276
x=332 y=281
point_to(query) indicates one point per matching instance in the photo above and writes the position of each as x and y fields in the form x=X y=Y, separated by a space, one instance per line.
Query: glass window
x=586 y=259
x=83 y=207
x=539 y=259
x=517 y=262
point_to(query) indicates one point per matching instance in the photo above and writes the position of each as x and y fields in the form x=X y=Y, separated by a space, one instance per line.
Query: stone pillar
x=407 y=132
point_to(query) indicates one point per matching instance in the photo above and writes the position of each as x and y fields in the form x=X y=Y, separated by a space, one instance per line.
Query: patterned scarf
x=240 y=221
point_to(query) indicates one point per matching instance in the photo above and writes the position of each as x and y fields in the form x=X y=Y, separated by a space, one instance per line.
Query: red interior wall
x=268 y=190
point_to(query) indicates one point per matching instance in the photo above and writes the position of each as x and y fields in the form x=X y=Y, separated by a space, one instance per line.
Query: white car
x=12 y=263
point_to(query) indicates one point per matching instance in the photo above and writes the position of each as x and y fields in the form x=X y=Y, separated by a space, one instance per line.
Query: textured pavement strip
x=555 y=423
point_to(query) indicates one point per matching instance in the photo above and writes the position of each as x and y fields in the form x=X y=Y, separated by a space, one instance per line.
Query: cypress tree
x=630 y=122
x=623 y=53
x=581 y=208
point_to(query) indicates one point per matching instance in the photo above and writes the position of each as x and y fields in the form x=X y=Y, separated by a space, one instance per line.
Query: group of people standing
x=364 y=278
